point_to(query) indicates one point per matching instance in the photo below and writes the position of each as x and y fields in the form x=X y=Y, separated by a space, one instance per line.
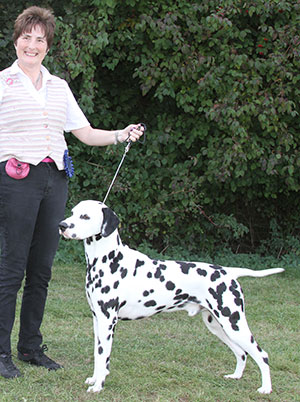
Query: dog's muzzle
x=62 y=227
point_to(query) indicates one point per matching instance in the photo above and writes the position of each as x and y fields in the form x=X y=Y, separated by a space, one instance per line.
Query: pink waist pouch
x=16 y=169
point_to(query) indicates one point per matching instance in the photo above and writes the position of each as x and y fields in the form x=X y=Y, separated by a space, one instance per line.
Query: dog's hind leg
x=247 y=342
x=242 y=342
x=215 y=328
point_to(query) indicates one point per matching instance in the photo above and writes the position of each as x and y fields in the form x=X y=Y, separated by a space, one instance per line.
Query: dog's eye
x=85 y=217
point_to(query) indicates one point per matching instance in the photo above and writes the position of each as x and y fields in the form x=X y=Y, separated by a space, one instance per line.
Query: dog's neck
x=97 y=242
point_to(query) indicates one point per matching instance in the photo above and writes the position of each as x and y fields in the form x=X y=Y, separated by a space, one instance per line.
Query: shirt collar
x=15 y=69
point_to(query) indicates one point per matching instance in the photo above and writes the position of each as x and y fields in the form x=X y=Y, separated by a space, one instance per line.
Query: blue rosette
x=68 y=164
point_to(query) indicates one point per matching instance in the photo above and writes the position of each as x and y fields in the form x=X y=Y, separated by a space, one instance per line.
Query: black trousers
x=30 y=211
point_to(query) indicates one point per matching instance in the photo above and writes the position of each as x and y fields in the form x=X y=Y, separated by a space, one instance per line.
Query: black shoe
x=38 y=358
x=7 y=367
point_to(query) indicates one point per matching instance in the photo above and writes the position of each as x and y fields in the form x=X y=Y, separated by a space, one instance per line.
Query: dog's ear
x=110 y=222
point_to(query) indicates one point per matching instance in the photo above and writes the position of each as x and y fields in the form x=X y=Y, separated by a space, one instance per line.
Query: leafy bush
x=218 y=86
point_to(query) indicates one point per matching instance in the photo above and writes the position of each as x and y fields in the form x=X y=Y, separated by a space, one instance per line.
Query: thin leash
x=122 y=160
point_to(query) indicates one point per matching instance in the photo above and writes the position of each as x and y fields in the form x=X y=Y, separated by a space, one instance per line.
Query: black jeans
x=30 y=211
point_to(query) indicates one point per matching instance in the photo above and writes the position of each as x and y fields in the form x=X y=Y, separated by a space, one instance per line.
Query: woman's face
x=31 y=47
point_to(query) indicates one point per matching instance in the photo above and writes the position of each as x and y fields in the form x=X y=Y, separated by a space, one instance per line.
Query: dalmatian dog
x=122 y=283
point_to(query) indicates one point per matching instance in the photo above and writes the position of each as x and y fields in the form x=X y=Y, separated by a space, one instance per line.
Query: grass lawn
x=169 y=357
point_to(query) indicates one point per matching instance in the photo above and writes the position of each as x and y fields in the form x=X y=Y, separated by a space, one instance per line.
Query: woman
x=35 y=110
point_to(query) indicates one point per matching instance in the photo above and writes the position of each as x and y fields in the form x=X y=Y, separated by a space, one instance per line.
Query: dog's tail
x=239 y=272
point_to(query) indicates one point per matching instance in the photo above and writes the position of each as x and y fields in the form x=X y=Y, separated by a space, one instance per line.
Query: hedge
x=217 y=84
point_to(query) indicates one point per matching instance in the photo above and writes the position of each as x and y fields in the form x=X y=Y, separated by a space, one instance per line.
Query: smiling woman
x=33 y=37
x=31 y=49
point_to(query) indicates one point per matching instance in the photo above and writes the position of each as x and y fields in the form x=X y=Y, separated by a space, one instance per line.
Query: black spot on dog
x=234 y=318
x=238 y=299
x=170 y=285
x=185 y=266
x=114 y=265
x=100 y=350
x=106 y=289
x=89 y=240
x=182 y=296
x=158 y=273
x=85 y=217
x=122 y=304
x=112 y=304
x=218 y=294
x=104 y=259
x=98 y=237
x=219 y=268
x=252 y=339
x=266 y=360
x=209 y=319
x=150 y=303
x=146 y=293
x=91 y=265
x=139 y=263
x=216 y=275
x=123 y=273
x=259 y=348
x=194 y=299
x=98 y=284
x=111 y=255
x=116 y=284
x=201 y=272
x=226 y=312
x=149 y=275
x=209 y=304
x=160 y=308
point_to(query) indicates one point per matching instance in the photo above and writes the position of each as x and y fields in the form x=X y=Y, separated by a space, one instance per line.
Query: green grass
x=169 y=357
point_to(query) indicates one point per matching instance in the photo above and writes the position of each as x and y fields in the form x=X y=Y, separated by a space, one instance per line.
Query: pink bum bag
x=19 y=170
x=16 y=169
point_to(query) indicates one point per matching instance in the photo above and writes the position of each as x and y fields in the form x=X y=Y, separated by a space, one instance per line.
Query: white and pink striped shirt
x=32 y=123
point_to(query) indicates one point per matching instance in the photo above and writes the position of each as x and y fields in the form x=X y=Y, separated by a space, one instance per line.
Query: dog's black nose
x=63 y=226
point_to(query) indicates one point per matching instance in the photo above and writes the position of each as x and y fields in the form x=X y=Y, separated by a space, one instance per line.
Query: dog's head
x=89 y=218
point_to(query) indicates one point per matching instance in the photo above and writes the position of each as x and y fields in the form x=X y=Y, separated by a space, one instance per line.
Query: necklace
x=36 y=83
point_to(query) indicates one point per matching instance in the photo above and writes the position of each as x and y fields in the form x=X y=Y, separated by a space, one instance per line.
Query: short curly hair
x=32 y=17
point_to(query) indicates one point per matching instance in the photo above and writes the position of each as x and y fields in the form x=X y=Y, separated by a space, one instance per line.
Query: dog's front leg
x=92 y=380
x=103 y=337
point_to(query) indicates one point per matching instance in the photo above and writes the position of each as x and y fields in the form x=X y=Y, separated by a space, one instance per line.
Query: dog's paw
x=97 y=387
x=90 y=380
x=264 y=390
x=233 y=376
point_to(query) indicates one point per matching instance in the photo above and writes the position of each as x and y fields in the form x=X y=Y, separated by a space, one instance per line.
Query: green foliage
x=217 y=84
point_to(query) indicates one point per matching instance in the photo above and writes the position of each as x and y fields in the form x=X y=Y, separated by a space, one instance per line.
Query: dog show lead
x=36 y=108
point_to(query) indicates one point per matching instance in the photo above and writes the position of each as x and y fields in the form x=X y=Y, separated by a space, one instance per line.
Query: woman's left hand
x=131 y=133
